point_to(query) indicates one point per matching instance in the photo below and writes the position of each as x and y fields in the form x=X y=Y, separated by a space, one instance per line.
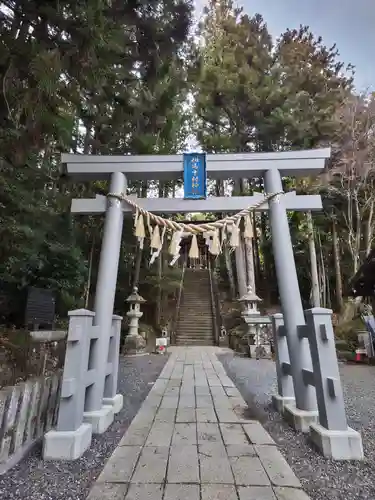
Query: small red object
x=358 y=356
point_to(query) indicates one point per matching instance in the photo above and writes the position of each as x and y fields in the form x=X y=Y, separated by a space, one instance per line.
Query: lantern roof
x=250 y=296
x=135 y=298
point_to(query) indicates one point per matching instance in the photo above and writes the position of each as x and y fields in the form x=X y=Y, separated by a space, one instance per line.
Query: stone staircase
x=195 y=324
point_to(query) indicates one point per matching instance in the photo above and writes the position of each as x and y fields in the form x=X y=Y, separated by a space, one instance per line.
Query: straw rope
x=194 y=228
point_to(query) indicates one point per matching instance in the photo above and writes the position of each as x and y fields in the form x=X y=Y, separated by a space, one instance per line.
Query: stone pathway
x=190 y=441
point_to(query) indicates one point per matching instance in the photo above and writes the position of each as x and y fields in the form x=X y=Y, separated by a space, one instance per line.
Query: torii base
x=337 y=445
x=300 y=420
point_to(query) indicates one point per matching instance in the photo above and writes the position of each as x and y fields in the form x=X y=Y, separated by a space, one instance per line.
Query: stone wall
x=27 y=411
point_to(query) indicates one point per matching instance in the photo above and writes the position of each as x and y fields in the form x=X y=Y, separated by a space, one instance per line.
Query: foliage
x=92 y=77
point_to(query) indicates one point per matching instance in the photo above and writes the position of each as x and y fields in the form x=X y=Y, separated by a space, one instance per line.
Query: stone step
x=195 y=335
x=205 y=339
x=189 y=342
x=194 y=342
x=194 y=328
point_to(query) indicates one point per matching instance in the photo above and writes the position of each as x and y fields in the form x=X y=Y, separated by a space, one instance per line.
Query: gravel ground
x=322 y=479
x=33 y=479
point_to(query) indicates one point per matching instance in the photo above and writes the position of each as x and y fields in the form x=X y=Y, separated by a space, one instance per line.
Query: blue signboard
x=195 y=184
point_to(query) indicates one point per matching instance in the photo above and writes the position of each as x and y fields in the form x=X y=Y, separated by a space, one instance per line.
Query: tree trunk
x=88 y=285
x=315 y=292
x=336 y=257
x=323 y=284
x=159 y=291
x=258 y=272
x=249 y=258
x=229 y=268
x=241 y=269
x=369 y=229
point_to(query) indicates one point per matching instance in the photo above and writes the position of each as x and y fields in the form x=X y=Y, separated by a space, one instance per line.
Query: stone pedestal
x=100 y=420
x=337 y=445
x=134 y=344
x=300 y=420
x=260 y=351
x=279 y=402
x=67 y=445
x=117 y=402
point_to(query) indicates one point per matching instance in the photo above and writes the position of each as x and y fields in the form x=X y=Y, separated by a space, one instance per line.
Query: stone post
x=290 y=301
x=111 y=397
x=331 y=435
x=104 y=301
x=72 y=437
x=285 y=390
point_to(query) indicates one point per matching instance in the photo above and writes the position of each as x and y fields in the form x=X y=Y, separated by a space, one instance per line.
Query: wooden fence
x=27 y=411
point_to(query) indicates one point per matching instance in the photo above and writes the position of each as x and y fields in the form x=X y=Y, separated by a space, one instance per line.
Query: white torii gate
x=315 y=393
x=271 y=166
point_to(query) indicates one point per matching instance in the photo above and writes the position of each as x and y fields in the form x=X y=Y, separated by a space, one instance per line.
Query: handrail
x=215 y=305
x=178 y=304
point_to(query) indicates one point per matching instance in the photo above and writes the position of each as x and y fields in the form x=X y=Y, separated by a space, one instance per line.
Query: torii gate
x=272 y=167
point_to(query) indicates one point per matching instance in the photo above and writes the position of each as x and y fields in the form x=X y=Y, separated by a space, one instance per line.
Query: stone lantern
x=134 y=343
x=250 y=301
x=259 y=348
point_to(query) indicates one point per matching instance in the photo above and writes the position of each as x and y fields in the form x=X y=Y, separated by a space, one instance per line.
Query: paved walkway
x=190 y=441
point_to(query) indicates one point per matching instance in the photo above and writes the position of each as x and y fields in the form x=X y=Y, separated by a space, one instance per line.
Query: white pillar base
x=100 y=419
x=67 y=445
x=337 y=445
x=117 y=402
x=279 y=402
x=300 y=420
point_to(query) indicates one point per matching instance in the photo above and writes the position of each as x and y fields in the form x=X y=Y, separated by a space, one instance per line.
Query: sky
x=348 y=23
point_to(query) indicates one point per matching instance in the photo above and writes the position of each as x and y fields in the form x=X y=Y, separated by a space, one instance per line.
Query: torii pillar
x=291 y=303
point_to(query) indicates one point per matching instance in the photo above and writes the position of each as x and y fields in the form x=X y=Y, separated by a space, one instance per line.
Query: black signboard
x=40 y=307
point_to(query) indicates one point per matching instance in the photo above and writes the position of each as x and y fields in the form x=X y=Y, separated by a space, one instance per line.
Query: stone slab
x=186 y=415
x=206 y=415
x=165 y=415
x=169 y=402
x=290 y=494
x=186 y=402
x=218 y=492
x=257 y=434
x=108 y=492
x=144 y=492
x=135 y=436
x=120 y=466
x=183 y=464
x=249 y=471
x=208 y=432
x=241 y=450
x=202 y=390
x=181 y=492
x=160 y=434
x=276 y=466
x=214 y=465
x=152 y=465
x=205 y=401
x=184 y=434
x=256 y=493
x=233 y=434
